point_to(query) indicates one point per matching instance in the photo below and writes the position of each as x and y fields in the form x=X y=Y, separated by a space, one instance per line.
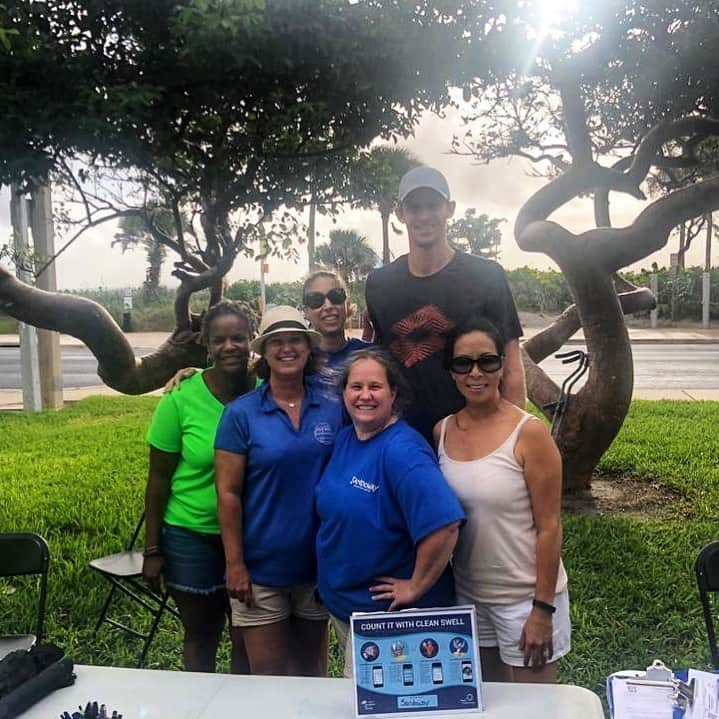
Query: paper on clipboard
x=705 y=704
x=635 y=700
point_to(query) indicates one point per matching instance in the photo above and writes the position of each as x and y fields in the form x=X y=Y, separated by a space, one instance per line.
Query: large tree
x=220 y=109
x=610 y=96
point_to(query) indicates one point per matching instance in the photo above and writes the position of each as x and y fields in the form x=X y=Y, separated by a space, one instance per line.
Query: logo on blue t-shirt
x=323 y=433
x=364 y=486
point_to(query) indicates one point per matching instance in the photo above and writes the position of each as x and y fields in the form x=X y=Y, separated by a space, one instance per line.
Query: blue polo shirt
x=283 y=466
x=376 y=500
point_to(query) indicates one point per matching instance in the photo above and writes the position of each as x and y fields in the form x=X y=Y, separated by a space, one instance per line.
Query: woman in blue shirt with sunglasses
x=327 y=309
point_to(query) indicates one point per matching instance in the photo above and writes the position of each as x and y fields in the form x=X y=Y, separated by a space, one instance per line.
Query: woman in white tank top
x=506 y=471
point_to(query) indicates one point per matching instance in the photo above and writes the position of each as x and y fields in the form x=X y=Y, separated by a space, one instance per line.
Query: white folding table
x=148 y=694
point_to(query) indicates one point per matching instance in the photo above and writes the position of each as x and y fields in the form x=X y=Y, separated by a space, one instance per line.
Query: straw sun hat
x=283 y=318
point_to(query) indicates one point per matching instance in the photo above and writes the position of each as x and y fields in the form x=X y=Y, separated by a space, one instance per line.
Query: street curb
x=582 y=341
x=658 y=341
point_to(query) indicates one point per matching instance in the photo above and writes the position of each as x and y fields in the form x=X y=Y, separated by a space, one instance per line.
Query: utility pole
x=29 y=365
x=48 y=342
x=264 y=268
x=706 y=276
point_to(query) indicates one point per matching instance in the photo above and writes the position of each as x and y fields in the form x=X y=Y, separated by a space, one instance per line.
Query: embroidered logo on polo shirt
x=323 y=433
x=364 y=486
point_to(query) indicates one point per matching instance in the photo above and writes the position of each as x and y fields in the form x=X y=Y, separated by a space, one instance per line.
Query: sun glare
x=553 y=12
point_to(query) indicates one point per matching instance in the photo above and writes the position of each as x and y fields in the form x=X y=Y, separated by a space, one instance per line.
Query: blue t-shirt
x=376 y=500
x=336 y=360
x=334 y=365
x=283 y=466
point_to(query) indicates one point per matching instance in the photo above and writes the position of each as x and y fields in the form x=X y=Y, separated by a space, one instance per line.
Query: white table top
x=147 y=694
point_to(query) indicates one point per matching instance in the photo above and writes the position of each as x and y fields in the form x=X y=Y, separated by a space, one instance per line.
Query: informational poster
x=418 y=661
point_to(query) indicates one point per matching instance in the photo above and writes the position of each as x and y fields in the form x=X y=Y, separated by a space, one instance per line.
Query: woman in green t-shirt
x=183 y=544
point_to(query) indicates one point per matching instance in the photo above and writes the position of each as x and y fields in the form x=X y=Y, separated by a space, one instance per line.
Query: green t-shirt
x=185 y=422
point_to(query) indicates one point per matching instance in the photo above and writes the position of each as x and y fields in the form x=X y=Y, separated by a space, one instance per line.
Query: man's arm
x=514 y=388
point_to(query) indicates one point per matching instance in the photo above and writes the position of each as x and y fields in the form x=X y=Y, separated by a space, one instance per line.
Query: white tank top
x=495 y=557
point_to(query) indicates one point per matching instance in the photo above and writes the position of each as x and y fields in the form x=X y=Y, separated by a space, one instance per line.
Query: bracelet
x=544 y=606
x=153 y=551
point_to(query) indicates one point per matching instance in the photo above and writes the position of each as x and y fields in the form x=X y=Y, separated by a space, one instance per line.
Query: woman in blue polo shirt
x=271 y=447
x=388 y=519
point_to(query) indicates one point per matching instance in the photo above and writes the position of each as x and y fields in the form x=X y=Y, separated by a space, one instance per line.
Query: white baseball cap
x=423 y=176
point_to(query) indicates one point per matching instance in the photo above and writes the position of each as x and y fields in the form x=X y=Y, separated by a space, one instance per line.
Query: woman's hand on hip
x=152 y=572
x=536 y=639
x=239 y=583
x=401 y=592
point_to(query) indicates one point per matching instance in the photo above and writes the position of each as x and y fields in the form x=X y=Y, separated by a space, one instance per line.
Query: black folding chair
x=25 y=553
x=707 y=571
x=124 y=572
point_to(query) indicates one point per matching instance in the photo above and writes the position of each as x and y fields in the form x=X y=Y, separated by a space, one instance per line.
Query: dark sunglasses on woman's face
x=315 y=300
x=462 y=364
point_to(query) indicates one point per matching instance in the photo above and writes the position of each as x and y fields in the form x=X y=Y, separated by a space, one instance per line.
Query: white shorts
x=275 y=604
x=500 y=625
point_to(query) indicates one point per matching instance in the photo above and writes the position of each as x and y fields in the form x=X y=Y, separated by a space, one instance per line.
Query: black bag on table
x=26 y=677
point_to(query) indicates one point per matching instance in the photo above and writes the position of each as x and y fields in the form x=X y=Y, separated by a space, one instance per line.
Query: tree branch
x=92 y=324
x=613 y=249
x=551 y=338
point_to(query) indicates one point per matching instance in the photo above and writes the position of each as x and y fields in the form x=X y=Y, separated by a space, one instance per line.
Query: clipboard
x=655 y=693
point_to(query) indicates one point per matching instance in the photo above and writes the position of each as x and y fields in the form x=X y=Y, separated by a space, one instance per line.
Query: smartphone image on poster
x=407 y=674
x=467 y=673
x=377 y=677
x=437 y=676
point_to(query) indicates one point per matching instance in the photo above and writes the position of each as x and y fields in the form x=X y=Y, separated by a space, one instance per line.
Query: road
x=79 y=367
x=656 y=366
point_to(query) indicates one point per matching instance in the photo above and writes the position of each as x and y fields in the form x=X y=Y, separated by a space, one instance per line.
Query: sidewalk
x=638 y=335
x=146 y=341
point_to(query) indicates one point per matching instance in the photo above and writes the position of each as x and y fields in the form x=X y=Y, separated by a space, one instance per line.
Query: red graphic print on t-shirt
x=419 y=335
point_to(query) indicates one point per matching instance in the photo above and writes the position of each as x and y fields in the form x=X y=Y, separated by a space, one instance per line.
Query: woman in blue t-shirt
x=388 y=519
x=327 y=309
x=271 y=447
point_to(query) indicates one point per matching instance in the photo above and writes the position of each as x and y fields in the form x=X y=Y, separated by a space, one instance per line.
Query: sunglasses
x=315 y=300
x=462 y=364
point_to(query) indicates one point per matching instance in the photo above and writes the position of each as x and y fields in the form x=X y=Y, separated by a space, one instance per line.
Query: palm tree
x=375 y=178
x=349 y=254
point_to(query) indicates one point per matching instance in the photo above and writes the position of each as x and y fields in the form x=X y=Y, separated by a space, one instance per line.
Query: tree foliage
x=349 y=254
x=477 y=234
x=231 y=112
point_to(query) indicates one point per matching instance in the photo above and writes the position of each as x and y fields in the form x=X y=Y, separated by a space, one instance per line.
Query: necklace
x=291 y=405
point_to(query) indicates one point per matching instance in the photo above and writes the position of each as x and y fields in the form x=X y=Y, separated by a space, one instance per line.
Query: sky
x=498 y=189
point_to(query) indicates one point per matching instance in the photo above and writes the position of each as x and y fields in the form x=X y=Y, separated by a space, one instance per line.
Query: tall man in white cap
x=417 y=299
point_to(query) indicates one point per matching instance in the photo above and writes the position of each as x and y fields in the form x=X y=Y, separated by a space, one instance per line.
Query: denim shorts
x=194 y=562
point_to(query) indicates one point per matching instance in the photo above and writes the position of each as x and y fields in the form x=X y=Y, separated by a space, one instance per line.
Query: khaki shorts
x=342 y=630
x=275 y=604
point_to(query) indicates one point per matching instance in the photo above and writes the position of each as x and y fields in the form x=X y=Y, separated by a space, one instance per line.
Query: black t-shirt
x=412 y=316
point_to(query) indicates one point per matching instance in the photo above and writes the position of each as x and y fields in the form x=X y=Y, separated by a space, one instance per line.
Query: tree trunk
x=385 y=237
x=92 y=324
x=595 y=414
x=312 y=264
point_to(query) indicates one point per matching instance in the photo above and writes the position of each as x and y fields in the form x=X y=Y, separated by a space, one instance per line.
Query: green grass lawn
x=77 y=477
